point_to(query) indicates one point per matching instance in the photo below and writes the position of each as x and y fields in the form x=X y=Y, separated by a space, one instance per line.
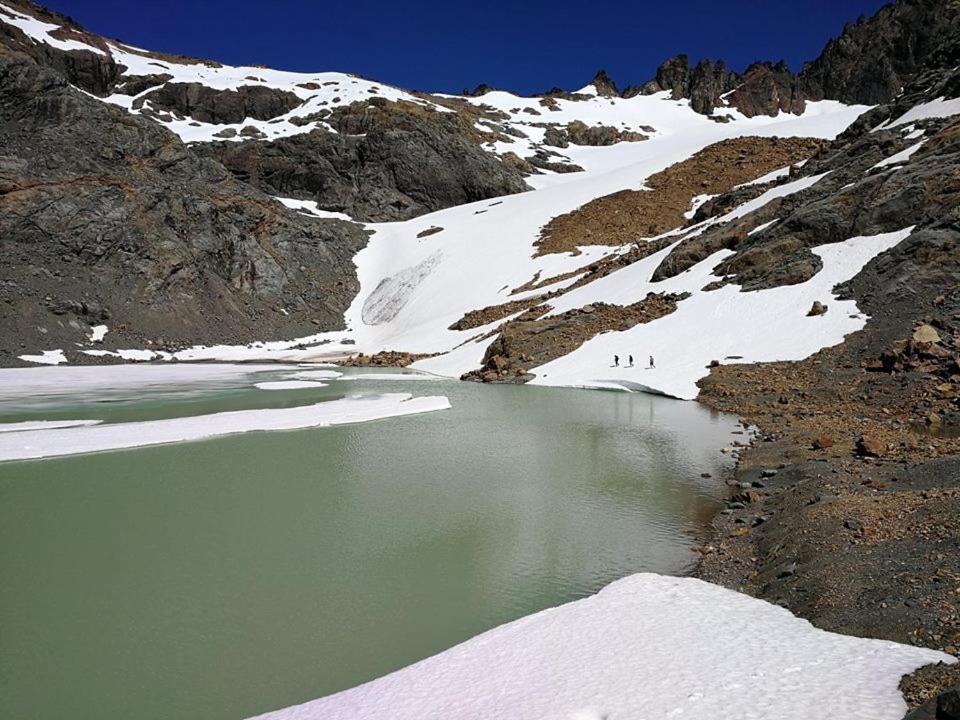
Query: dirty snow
x=70 y=441
x=646 y=647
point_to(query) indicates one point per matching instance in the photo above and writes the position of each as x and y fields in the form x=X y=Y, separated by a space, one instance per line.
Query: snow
x=759 y=326
x=764 y=179
x=98 y=332
x=361 y=408
x=939 y=108
x=45 y=425
x=413 y=289
x=39 y=31
x=289 y=385
x=309 y=207
x=47 y=357
x=646 y=647
x=764 y=226
x=900 y=157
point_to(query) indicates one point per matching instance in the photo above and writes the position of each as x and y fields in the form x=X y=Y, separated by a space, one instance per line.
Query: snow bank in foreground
x=49 y=443
x=646 y=647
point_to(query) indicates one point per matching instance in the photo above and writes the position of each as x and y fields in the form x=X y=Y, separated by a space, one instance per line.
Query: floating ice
x=48 y=443
x=289 y=385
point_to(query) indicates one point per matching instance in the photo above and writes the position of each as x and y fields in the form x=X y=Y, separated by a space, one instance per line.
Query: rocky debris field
x=384 y=358
x=629 y=215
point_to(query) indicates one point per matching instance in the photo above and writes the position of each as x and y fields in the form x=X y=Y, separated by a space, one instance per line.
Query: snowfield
x=414 y=288
x=647 y=647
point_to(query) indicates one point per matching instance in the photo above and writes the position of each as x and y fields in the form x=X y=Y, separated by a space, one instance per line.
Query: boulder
x=926 y=334
x=822 y=442
x=870 y=447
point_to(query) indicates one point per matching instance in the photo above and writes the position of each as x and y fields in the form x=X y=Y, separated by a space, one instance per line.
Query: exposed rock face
x=579 y=133
x=93 y=72
x=867 y=64
x=386 y=163
x=142 y=231
x=604 y=85
x=767 y=89
x=873 y=59
x=854 y=198
x=206 y=104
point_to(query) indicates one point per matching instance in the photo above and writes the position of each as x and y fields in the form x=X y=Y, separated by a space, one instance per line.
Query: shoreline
x=856 y=544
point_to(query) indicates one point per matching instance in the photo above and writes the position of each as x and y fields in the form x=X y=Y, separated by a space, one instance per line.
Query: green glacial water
x=227 y=577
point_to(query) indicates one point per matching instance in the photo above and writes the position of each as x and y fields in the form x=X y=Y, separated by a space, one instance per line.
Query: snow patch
x=939 y=108
x=900 y=157
x=47 y=357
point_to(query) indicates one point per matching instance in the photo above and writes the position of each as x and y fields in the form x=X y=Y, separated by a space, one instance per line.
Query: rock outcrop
x=207 y=104
x=386 y=162
x=164 y=245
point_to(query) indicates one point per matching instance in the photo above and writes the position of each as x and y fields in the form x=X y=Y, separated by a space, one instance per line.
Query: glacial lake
x=226 y=577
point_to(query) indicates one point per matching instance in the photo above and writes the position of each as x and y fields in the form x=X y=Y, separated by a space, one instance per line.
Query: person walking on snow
x=630 y=357
x=616 y=361
x=652 y=366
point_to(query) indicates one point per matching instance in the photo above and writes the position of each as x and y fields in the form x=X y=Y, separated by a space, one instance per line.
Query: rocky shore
x=846 y=508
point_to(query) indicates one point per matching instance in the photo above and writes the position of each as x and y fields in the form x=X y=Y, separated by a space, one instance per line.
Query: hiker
x=616 y=361
x=631 y=360
x=652 y=366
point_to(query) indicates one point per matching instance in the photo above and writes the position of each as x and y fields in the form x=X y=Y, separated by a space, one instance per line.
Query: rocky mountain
x=867 y=64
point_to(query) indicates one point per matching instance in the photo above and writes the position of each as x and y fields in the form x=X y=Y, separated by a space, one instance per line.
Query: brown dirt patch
x=629 y=215
x=492 y=313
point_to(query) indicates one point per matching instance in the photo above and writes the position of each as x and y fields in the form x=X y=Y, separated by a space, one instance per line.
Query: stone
x=926 y=334
x=867 y=446
x=822 y=442
x=818 y=308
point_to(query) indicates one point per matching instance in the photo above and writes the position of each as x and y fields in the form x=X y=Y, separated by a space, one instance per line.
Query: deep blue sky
x=525 y=45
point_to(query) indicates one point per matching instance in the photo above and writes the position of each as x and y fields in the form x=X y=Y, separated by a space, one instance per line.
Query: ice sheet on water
x=70 y=441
